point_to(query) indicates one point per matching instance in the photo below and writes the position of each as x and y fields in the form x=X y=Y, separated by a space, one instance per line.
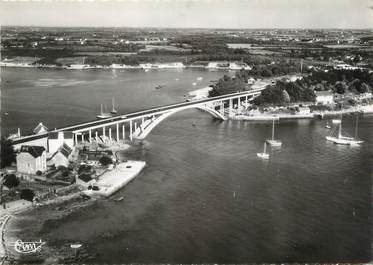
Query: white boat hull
x=263 y=155
x=343 y=140
x=274 y=142
x=103 y=116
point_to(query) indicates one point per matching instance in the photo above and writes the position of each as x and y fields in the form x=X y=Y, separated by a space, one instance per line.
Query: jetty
x=113 y=180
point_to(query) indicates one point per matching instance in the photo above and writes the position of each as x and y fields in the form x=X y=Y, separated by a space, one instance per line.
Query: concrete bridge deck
x=141 y=114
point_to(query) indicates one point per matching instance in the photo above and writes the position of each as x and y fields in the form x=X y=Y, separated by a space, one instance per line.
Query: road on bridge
x=134 y=115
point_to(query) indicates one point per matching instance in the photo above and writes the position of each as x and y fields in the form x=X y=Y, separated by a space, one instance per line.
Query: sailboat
x=272 y=141
x=113 y=111
x=345 y=140
x=103 y=115
x=263 y=155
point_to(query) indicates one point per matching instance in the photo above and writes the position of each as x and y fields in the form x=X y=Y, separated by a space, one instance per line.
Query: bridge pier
x=230 y=107
x=131 y=130
x=90 y=135
x=103 y=132
x=123 y=132
x=109 y=133
x=222 y=108
x=96 y=135
x=117 y=132
x=76 y=138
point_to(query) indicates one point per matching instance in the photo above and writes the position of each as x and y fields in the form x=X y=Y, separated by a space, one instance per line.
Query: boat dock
x=115 y=179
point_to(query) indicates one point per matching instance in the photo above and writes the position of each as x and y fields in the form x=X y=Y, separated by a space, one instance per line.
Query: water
x=204 y=196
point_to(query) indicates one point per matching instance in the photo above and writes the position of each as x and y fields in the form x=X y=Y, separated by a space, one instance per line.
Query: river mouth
x=204 y=196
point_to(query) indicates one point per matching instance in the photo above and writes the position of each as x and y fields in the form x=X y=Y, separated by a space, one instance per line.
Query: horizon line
x=207 y=28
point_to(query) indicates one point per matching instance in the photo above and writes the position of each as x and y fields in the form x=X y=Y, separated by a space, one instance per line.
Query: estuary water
x=204 y=196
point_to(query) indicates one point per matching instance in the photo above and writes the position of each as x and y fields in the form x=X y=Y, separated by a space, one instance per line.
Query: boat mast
x=101 y=108
x=113 y=103
x=265 y=145
x=273 y=129
x=340 y=124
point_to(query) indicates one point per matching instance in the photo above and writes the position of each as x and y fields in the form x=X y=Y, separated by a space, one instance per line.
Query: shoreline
x=266 y=116
x=112 y=67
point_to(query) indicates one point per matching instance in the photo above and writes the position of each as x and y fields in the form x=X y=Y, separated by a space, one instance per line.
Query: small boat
x=158 y=87
x=113 y=111
x=263 y=155
x=176 y=79
x=327 y=126
x=193 y=124
x=342 y=139
x=194 y=84
x=272 y=141
x=336 y=121
x=119 y=199
x=103 y=115
x=200 y=78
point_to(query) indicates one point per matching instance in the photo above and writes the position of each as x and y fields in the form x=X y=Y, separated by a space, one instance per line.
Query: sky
x=189 y=13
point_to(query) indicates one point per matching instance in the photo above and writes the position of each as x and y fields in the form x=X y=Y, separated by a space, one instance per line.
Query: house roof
x=65 y=150
x=33 y=150
x=68 y=135
x=40 y=128
x=323 y=93
x=53 y=135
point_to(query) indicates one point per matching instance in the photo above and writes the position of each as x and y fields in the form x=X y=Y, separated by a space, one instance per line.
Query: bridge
x=139 y=124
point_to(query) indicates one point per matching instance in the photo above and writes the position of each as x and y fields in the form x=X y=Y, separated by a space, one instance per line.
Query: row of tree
x=285 y=92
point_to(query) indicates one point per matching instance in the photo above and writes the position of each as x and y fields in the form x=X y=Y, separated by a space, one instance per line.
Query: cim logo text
x=28 y=247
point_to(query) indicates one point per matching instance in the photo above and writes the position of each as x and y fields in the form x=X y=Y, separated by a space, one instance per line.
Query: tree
x=285 y=96
x=105 y=160
x=340 y=88
x=27 y=194
x=11 y=181
x=7 y=153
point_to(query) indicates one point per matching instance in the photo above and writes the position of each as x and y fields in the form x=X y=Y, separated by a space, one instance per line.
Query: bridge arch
x=146 y=128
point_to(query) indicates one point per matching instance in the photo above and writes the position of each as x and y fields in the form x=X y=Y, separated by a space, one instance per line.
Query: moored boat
x=263 y=155
x=343 y=139
x=113 y=111
x=273 y=141
x=103 y=115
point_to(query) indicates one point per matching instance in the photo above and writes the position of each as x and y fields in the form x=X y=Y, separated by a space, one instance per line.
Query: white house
x=324 y=97
x=31 y=159
x=61 y=156
x=57 y=139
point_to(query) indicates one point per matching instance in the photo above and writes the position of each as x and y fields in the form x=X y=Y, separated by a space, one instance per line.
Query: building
x=31 y=159
x=324 y=97
x=84 y=180
x=41 y=128
x=57 y=139
x=61 y=156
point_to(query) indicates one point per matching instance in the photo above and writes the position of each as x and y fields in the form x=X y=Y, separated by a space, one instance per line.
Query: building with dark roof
x=31 y=159
x=57 y=139
x=61 y=156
